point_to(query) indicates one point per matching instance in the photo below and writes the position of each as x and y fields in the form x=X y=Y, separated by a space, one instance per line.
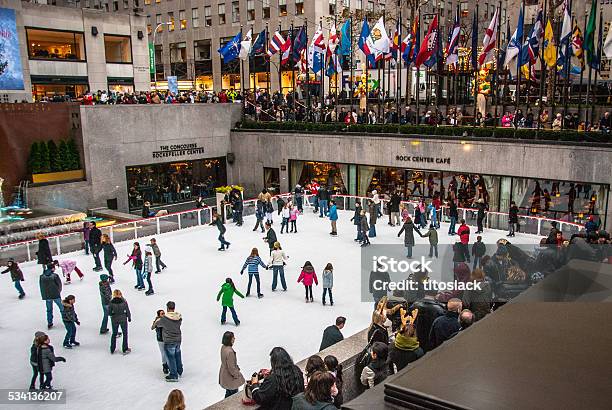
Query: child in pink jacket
x=68 y=266
x=293 y=214
x=307 y=276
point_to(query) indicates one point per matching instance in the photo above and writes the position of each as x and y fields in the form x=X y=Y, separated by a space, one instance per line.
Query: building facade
x=69 y=51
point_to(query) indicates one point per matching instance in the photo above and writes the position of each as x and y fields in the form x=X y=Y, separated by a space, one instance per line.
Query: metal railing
x=133 y=230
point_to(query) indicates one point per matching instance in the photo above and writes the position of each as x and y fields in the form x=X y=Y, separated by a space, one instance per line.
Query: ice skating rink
x=95 y=379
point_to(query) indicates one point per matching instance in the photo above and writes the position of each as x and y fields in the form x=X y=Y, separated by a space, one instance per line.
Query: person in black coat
x=50 y=291
x=110 y=255
x=376 y=281
x=16 y=276
x=285 y=380
x=512 y=218
x=356 y=220
x=429 y=310
x=237 y=207
x=217 y=220
x=332 y=334
x=270 y=236
x=444 y=327
x=95 y=245
x=480 y=215
x=43 y=255
x=120 y=315
x=453 y=213
x=394 y=211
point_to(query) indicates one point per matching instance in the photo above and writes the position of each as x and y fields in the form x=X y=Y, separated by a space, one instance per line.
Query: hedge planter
x=51 y=177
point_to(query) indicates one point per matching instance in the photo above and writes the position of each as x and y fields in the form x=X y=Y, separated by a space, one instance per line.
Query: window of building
x=235 y=12
x=222 y=13
x=158 y=23
x=332 y=7
x=87 y=4
x=299 y=6
x=157 y=1
x=55 y=45
x=178 y=52
x=359 y=4
x=265 y=9
x=183 y=19
x=345 y=3
x=370 y=6
x=250 y=10
x=115 y=5
x=202 y=49
x=147 y=2
x=149 y=27
x=282 y=8
x=171 y=21
x=195 y=18
x=118 y=49
x=207 y=16
x=463 y=6
x=126 y=4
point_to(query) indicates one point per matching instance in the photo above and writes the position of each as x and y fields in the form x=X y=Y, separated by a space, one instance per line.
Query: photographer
x=277 y=388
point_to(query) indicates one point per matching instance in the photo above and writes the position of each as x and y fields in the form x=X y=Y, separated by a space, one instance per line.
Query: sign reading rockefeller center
x=177 y=150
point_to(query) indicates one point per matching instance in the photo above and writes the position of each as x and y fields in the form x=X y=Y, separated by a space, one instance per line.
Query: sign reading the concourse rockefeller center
x=177 y=150
x=421 y=159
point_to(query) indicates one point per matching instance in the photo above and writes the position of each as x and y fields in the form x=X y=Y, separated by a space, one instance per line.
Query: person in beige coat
x=230 y=377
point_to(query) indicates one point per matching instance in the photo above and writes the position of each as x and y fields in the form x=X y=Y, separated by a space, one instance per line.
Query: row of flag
x=568 y=54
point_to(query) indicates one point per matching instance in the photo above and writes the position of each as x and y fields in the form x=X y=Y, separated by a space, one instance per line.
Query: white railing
x=132 y=230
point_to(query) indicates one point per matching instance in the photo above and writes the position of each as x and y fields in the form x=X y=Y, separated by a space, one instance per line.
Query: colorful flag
x=514 y=45
x=589 y=36
x=531 y=47
x=429 y=46
x=231 y=49
x=332 y=42
x=286 y=49
x=577 y=44
x=378 y=41
x=412 y=41
x=299 y=43
x=488 y=43
x=452 y=46
x=607 y=47
x=363 y=43
x=259 y=45
x=245 y=45
x=564 y=40
x=550 y=48
x=316 y=51
x=277 y=43
x=345 y=39
x=302 y=63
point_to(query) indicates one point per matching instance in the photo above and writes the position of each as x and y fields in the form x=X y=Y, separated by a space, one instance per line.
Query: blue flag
x=259 y=46
x=231 y=49
x=318 y=61
x=299 y=44
x=363 y=45
x=345 y=39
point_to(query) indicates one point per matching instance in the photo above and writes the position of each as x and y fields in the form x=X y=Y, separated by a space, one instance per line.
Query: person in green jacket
x=228 y=289
x=432 y=234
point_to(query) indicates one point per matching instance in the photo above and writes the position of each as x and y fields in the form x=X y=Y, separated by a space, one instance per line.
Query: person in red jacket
x=464 y=237
x=307 y=276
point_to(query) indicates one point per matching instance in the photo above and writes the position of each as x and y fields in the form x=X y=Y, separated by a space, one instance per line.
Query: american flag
x=277 y=43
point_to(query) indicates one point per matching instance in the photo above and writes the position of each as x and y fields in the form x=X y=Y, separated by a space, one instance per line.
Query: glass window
x=250 y=10
x=171 y=21
x=118 y=49
x=370 y=6
x=126 y=4
x=182 y=19
x=157 y=1
x=345 y=3
x=115 y=5
x=195 y=19
x=235 y=12
x=359 y=4
x=55 y=45
x=207 y=16
x=202 y=50
x=299 y=6
x=158 y=23
x=332 y=7
x=221 y=13
x=282 y=8
x=147 y=2
x=265 y=8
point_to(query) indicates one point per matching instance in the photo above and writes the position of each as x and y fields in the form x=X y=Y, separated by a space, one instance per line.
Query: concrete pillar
x=94 y=47
x=140 y=54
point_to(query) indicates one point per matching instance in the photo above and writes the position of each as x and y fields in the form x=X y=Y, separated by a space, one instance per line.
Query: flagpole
x=581 y=79
x=322 y=77
x=367 y=94
x=588 y=93
x=528 y=79
x=475 y=68
x=280 y=63
x=542 y=64
x=567 y=67
x=292 y=68
x=242 y=78
x=351 y=82
x=497 y=62
x=398 y=67
x=506 y=72
x=267 y=47
x=555 y=71
x=307 y=75
x=336 y=61
x=518 y=66
x=599 y=56
x=418 y=75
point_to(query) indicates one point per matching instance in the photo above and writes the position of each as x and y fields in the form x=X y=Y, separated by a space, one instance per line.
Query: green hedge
x=48 y=157
x=486 y=132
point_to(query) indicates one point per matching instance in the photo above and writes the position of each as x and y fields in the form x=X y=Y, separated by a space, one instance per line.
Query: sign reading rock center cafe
x=421 y=159
x=177 y=150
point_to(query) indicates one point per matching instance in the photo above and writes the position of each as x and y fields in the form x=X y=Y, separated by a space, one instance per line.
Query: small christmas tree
x=63 y=154
x=53 y=157
x=75 y=156
x=45 y=163
x=34 y=160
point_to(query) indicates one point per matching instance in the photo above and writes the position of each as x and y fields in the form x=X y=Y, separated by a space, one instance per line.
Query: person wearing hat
x=16 y=276
x=106 y=295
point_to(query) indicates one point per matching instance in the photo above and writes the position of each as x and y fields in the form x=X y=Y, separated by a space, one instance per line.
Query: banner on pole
x=11 y=73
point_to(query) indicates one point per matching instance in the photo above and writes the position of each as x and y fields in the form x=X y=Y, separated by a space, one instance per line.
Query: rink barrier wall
x=25 y=251
x=346 y=351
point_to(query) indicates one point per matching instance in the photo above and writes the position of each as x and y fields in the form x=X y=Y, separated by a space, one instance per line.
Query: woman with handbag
x=284 y=381
x=230 y=377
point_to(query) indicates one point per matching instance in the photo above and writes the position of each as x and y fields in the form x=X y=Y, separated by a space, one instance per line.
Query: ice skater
x=68 y=266
x=43 y=254
x=293 y=215
x=95 y=245
x=34 y=362
x=120 y=315
x=16 y=276
x=71 y=321
x=147 y=270
x=106 y=294
x=46 y=360
x=253 y=262
x=277 y=262
x=259 y=215
x=218 y=222
x=160 y=341
x=328 y=283
x=308 y=276
x=50 y=291
x=226 y=294
x=136 y=258
x=285 y=213
x=159 y=264
x=333 y=217
x=110 y=255
x=365 y=240
x=269 y=210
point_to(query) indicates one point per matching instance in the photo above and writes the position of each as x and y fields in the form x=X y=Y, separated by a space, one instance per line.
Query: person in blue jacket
x=333 y=217
x=253 y=262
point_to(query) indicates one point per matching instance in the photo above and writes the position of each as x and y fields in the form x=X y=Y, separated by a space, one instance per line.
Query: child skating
x=147 y=270
x=253 y=262
x=68 y=266
x=293 y=216
x=71 y=320
x=226 y=294
x=16 y=276
x=328 y=283
x=46 y=360
x=285 y=214
x=159 y=264
x=136 y=258
x=308 y=276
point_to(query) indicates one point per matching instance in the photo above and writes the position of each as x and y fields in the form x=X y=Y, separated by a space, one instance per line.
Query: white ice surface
x=95 y=379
